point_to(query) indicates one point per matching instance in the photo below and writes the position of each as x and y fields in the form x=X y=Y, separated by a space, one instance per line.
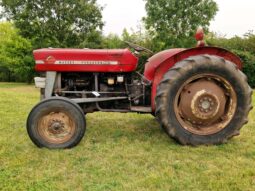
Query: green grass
x=119 y=152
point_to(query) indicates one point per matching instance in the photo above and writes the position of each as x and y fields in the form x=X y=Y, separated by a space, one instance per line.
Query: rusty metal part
x=205 y=104
x=56 y=127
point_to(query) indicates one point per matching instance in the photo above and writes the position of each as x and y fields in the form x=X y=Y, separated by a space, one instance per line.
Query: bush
x=243 y=47
x=16 y=61
x=249 y=65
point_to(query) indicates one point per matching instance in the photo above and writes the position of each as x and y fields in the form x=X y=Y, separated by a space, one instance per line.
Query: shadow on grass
x=130 y=126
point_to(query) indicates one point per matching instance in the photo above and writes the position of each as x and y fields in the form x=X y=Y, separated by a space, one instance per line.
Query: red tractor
x=199 y=95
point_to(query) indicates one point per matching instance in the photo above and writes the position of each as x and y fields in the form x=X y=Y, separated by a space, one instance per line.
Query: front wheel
x=56 y=123
x=203 y=100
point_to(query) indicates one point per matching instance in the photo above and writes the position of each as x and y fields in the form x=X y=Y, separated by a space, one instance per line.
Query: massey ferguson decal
x=77 y=62
x=87 y=62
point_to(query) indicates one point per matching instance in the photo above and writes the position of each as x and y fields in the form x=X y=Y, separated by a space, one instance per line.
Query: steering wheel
x=138 y=48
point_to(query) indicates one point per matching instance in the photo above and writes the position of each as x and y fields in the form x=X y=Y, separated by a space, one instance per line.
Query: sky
x=235 y=17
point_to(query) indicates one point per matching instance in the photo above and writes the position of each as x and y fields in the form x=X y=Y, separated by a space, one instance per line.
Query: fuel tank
x=85 y=60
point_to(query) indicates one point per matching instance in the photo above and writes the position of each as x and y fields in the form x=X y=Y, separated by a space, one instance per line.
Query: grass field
x=119 y=152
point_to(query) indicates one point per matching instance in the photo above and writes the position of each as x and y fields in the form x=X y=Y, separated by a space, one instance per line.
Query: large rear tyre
x=56 y=123
x=203 y=100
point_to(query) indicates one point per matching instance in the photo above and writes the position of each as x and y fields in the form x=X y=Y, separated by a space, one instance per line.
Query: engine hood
x=85 y=60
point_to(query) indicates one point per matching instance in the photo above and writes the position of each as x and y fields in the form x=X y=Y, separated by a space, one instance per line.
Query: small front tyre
x=56 y=123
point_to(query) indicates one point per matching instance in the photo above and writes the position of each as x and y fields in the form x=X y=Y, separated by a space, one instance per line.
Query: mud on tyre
x=203 y=100
x=56 y=123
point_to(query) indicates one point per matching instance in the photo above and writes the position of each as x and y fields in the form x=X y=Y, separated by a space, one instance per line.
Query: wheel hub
x=56 y=127
x=202 y=103
x=205 y=106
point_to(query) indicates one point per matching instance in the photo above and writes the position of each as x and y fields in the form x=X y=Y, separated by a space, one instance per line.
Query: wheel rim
x=205 y=104
x=56 y=127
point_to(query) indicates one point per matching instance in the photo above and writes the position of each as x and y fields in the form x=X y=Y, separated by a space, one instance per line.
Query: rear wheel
x=56 y=123
x=203 y=100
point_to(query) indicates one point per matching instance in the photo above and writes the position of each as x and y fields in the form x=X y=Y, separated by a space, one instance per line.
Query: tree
x=174 y=22
x=113 y=41
x=16 y=62
x=55 y=23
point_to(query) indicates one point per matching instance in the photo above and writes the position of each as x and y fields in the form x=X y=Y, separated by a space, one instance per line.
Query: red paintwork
x=155 y=69
x=160 y=64
x=127 y=62
x=200 y=34
x=155 y=61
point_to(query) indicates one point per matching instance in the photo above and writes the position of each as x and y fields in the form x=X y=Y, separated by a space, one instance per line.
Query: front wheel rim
x=56 y=127
x=205 y=104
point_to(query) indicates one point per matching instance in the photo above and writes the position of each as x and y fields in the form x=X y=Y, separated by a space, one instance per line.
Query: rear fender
x=164 y=66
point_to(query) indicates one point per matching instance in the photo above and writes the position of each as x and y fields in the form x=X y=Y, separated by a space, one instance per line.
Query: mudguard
x=160 y=63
